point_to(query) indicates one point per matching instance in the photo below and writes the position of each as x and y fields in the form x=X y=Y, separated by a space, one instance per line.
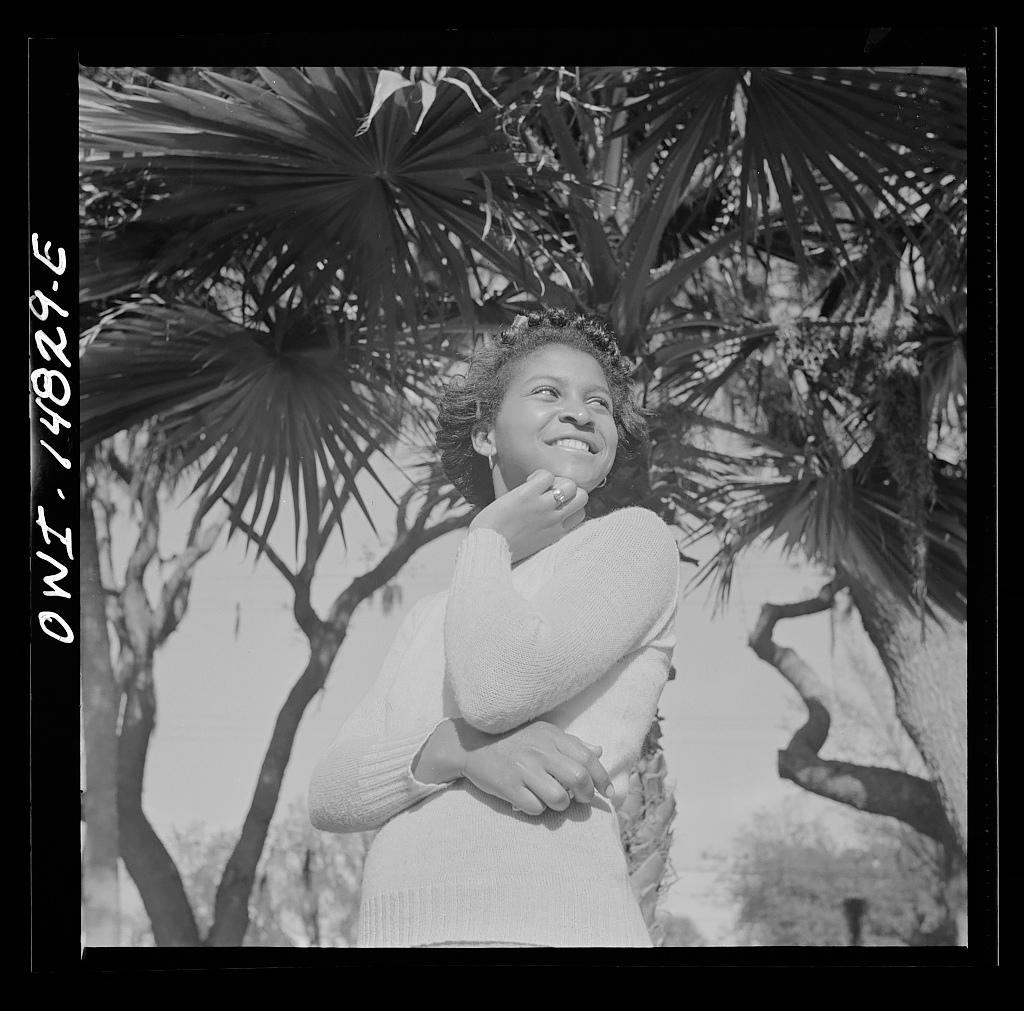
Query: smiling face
x=557 y=415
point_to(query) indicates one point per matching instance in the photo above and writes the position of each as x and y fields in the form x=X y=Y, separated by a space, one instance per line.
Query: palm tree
x=854 y=194
x=335 y=201
x=293 y=239
x=308 y=243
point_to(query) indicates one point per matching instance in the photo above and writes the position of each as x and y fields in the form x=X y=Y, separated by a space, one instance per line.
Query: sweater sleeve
x=510 y=660
x=365 y=778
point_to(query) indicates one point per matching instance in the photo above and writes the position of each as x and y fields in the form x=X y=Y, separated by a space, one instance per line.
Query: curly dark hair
x=475 y=398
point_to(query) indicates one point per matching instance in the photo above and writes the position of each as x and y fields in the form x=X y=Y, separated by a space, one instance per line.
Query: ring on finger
x=559 y=495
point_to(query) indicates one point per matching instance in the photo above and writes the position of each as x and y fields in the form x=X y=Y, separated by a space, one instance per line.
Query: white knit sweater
x=579 y=634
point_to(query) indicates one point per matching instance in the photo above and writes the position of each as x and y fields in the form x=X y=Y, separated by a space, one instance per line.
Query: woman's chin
x=582 y=473
x=588 y=482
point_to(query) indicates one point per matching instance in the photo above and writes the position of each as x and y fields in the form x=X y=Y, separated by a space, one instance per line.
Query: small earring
x=604 y=482
x=490 y=460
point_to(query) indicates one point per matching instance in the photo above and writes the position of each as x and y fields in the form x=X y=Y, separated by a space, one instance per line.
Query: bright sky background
x=724 y=717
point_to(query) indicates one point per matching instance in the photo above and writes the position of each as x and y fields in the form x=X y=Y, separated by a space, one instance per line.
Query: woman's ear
x=483 y=440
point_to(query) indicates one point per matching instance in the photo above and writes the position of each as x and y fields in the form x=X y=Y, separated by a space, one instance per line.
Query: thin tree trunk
x=142 y=629
x=100 y=699
x=145 y=856
x=231 y=909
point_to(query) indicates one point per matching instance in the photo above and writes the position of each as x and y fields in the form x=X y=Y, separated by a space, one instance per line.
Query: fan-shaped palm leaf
x=822 y=485
x=867 y=136
x=278 y=174
x=701 y=357
x=845 y=518
x=250 y=411
x=617 y=271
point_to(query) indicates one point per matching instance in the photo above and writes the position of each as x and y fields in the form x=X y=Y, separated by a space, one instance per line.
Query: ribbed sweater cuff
x=483 y=551
x=362 y=783
x=389 y=771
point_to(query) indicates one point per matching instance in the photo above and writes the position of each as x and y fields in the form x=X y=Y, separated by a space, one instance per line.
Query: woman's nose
x=578 y=412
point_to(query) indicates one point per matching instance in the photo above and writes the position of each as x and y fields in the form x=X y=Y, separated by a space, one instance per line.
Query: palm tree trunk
x=645 y=827
x=100 y=698
x=929 y=679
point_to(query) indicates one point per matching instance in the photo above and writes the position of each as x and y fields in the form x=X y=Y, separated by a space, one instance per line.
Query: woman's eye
x=550 y=389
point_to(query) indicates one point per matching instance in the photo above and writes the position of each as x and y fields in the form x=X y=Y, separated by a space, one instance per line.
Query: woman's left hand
x=536 y=767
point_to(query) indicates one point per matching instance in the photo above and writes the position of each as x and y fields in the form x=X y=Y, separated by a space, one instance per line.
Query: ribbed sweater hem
x=432 y=914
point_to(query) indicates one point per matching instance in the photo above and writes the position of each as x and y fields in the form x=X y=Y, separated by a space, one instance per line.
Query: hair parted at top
x=475 y=398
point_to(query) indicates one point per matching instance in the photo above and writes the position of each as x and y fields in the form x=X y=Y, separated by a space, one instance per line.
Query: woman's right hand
x=529 y=516
x=537 y=766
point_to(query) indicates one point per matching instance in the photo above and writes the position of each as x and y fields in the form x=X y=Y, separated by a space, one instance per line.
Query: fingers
x=573 y=510
x=586 y=756
x=547 y=789
x=579 y=500
x=583 y=779
x=555 y=769
x=576 y=776
x=568 y=490
x=543 y=482
x=525 y=802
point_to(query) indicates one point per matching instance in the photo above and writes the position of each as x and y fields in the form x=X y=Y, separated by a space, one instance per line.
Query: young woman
x=501 y=731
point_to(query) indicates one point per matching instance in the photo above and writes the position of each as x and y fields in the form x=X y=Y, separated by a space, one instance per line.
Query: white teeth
x=573 y=444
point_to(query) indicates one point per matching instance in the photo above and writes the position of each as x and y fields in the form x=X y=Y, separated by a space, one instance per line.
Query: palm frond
x=695 y=365
x=846 y=519
x=867 y=136
x=280 y=175
x=231 y=398
x=942 y=331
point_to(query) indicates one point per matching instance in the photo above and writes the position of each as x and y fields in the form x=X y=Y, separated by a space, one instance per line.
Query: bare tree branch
x=388 y=567
x=174 y=593
x=102 y=509
x=118 y=466
x=232 y=902
x=403 y=508
x=811 y=736
x=145 y=547
x=889 y=792
x=135 y=604
x=433 y=500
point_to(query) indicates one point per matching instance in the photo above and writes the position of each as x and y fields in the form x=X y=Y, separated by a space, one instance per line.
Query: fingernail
x=610 y=792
